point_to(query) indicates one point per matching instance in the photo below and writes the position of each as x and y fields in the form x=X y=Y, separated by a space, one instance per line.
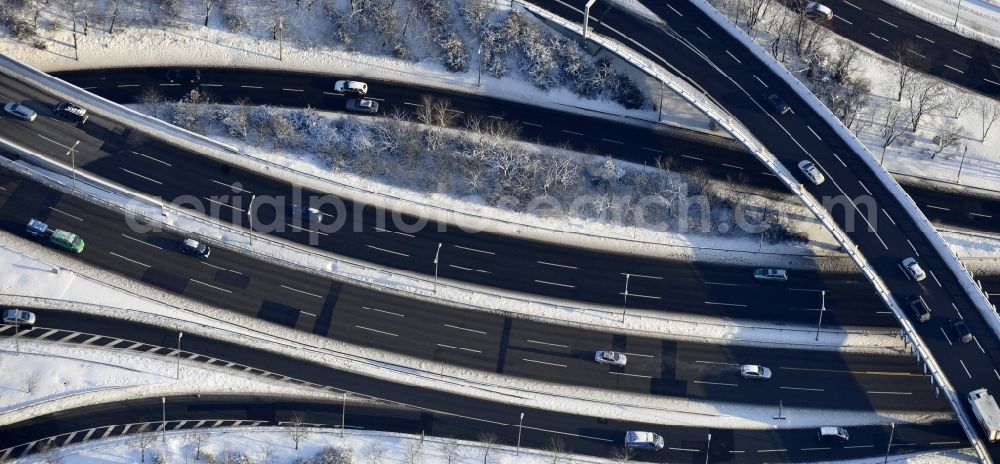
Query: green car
x=67 y=240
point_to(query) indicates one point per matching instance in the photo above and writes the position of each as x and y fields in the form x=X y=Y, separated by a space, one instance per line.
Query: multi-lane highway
x=686 y=150
x=691 y=43
x=488 y=259
x=471 y=339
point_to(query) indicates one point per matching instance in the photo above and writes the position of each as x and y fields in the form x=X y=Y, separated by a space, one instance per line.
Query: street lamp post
x=343 y=415
x=72 y=154
x=957 y=11
x=708 y=447
x=479 y=53
x=179 y=335
x=520 y=422
x=625 y=303
x=17 y=338
x=660 y=118
x=250 y=216
x=586 y=17
x=163 y=399
x=822 y=310
x=437 y=255
x=889 y=446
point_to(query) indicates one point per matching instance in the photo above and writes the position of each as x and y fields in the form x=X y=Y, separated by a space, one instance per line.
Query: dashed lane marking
x=383 y=311
x=302 y=292
x=150 y=157
x=210 y=285
x=141 y=241
x=142 y=176
x=543 y=362
x=376 y=330
x=474 y=249
x=547 y=343
x=53 y=208
x=388 y=251
x=554 y=283
x=129 y=259
x=466 y=329
x=556 y=265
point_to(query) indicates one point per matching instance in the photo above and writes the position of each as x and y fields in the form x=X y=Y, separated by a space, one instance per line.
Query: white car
x=643 y=440
x=19 y=317
x=353 y=87
x=754 y=371
x=811 y=172
x=613 y=358
x=913 y=269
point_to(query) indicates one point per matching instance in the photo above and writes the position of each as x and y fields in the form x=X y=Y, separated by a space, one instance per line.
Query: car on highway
x=71 y=112
x=961 y=330
x=20 y=111
x=67 y=241
x=352 y=87
x=919 y=308
x=816 y=10
x=913 y=269
x=193 y=247
x=362 y=105
x=833 y=434
x=613 y=358
x=308 y=214
x=19 y=317
x=776 y=103
x=643 y=440
x=191 y=76
x=754 y=371
x=770 y=274
x=810 y=170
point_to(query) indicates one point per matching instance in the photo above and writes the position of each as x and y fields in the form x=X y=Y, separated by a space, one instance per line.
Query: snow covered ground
x=977 y=19
x=273 y=446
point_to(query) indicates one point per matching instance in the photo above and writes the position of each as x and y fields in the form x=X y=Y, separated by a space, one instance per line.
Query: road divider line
x=557 y=265
x=738 y=305
x=465 y=329
x=141 y=241
x=383 y=311
x=210 y=285
x=716 y=383
x=547 y=343
x=887 y=22
x=388 y=251
x=639 y=295
x=803 y=389
x=142 y=176
x=966 y=369
x=543 y=362
x=53 y=208
x=684 y=449
x=889 y=393
x=376 y=330
x=302 y=291
x=954 y=69
x=150 y=158
x=631 y=375
x=129 y=259
x=554 y=283
x=960 y=53
x=474 y=249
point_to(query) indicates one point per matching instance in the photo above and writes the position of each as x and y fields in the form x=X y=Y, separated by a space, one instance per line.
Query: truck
x=60 y=238
x=986 y=411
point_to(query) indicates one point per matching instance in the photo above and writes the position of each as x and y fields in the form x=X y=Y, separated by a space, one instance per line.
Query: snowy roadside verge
x=49 y=377
x=977 y=20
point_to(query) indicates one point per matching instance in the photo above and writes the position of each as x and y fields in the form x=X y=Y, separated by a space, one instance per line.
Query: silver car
x=913 y=269
x=19 y=317
x=354 y=87
x=811 y=172
x=20 y=111
x=754 y=371
x=613 y=358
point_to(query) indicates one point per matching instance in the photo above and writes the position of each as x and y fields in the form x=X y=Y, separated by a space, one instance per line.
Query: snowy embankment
x=976 y=19
x=49 y=377
x=269 y=445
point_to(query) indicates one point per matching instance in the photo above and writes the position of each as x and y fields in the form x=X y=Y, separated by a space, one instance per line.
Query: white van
x=816 y=10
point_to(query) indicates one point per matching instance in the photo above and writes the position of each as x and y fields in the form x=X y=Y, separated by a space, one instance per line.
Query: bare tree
x=449 y=450
x=198 y=439
x=622 y=455
x=925 y=96
x=960 y=102
x=51 y=454
x=989 y=113
x=843 y=67
x=296 y=428
x=376 y=452
x=144 y=438
x=488 y=439
x=903 y=54
x=153 y=100
x=30 y=382
x=949 y=136
x=412 y=452
x=208 y=9
x=892 y=127
x=557 y=449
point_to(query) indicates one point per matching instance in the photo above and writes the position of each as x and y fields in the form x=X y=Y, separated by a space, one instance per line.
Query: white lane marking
x=150 y=157
x=761 y=82
x=914 y=248
x=889 y=393
x=703 y=33
x=379 y=229
x=675 y=10
x=996 y=374
x=935 y=278
x=231 y=186
x=692 y=157
x=88 y=88
x=55 y=142
x=547 y=343
x=842 y=19
x=642 y=275
x=730 y=166
x=459 y=348
x=210 y=285
x=614 y=141
x=388 y=251
x=965 y=368
x=304 y=229
x=887 y=22
x=925 y=38
x=223 y=204
x=887 y=215
x=640 y=355
x=168 y=85
x=992 y=82
x=531 y=124
x=733 y=57
x=221 y=268
x=938 y=207
x=63 y=212
x=957 y=311
x=814 y=449
x=142 y=176
x=954 y=69
x=556 y=265
x=878 y=37
x=307 y=313
x=863 y=186
x=293 y=90
x=129 y=259
x=141 y=241
x=853 y=5
x=553 y=283
x=652 y=150
x=683 y=449
x=714 y=362
x=975 y=339
x=772 y=450
x=473 y=249
x=960 y=53
x=717 y=383
x=941 y=443
x=127 y=85
x=465 y=329
x=571 y=132
x=254 y=87
x=813 y=132
x=383 y=311
x=543 y=362
x=915 y=53
x=210 y=85
x=864 y=446
x=721 y=283
x=841 y=161
x=483 y=271
x=726 y=304
x=630 y=375
x=802 y=388
x=980 y=215
x=376 y=330
x=303 y=292
x=639 y=295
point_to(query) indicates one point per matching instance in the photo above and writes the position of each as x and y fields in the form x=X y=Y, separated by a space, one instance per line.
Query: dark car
x=362 y=105
x=71 y=112
x=307 y=214
x=961 y=330
x=777 y=104
x=193 y=247
x=192 y=76
x=919 y=307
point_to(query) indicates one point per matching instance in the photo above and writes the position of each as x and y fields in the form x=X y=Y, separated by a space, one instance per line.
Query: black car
x=191 y=246
x=192 y=76
x=71 y=112
x=307 y=214
x=362 y=105
x=961 y=330
x=777 y=104
x=919 y=307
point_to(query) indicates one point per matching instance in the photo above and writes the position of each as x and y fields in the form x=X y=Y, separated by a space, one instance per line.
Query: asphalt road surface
x=693 y=45
x=464 y=338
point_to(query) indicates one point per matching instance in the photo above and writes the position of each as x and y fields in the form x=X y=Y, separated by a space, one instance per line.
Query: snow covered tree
x=949 y=136
x=926 y=95
x=989 y=113
x=296 y=428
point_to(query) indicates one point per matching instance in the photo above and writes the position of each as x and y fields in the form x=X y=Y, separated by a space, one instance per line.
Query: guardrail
x=741 y=133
